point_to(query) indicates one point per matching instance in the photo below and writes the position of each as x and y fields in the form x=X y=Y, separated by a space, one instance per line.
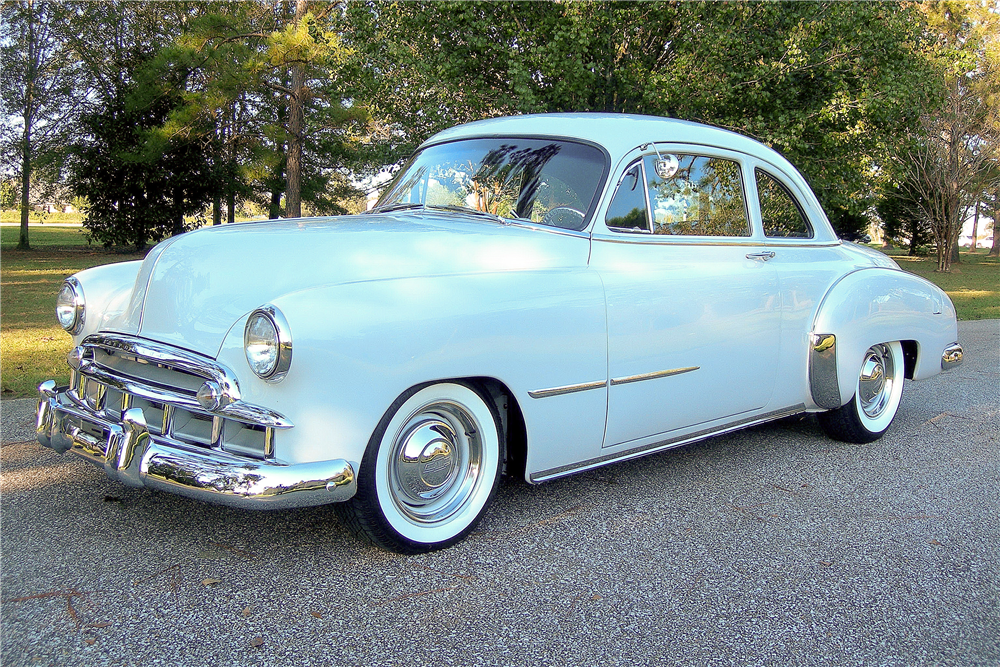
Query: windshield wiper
x=399 y=206
x=472 y=211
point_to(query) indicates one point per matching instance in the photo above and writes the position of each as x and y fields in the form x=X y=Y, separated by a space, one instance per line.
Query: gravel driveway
x=771 y=546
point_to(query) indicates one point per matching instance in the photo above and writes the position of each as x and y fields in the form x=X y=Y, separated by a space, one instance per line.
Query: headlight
x=70 y=306
x=268 y=343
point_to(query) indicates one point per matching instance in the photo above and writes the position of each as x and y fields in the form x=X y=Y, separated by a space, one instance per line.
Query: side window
x=627 y=210
x=781 y=215
x=693 y=195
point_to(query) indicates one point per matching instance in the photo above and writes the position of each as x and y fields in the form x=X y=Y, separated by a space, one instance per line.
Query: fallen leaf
x=316 y=614
x=257 y=642
x=89 y=642
x=825 y=563
x=211 y=582
x=597 y=597
x=246 y=612
x=935 y=543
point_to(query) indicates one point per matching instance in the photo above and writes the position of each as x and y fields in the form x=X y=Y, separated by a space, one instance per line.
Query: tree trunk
x=29 y=119
x=975 y=229
x=995 y=250
x=232 y=205
x=217 y=210
x=293 y=172
x=22 y=243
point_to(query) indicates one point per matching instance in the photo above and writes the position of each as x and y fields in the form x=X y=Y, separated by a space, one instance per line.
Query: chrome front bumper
x=130 y=453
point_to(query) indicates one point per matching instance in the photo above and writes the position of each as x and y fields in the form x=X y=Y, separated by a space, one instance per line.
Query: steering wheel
x=564 y=217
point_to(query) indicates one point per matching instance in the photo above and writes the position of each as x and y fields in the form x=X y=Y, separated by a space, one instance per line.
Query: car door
x=692 y=304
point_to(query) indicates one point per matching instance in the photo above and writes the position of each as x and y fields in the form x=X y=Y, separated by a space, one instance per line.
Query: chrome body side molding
x=653 y=448
x=652 y=376
x=568 y=389
x=573 y=388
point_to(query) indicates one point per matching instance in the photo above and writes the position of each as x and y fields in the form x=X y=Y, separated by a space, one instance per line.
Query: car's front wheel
x=431 y=469
x=877 y=393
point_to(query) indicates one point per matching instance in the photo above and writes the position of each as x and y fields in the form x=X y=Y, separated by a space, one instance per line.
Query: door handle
x=762 y=256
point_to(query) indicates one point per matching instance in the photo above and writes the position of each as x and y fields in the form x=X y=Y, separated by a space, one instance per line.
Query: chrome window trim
x=663 y=239
x=791 y=195
x=645 y=197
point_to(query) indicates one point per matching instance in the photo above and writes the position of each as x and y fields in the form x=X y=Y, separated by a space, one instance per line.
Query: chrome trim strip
x=952 y=357
x=652 y=376
x=568 y=389
x=709 y=241
x=132 y=455
x=824 y=383
x=645 y=450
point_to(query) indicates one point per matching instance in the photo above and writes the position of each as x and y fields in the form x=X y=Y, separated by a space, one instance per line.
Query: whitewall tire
x=877 y=394
x=430 y=471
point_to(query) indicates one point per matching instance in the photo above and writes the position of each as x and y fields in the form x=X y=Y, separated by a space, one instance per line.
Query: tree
x=269 y=79
x=828 y=84
x=899 y=210
x=138 y=187
x=134 y=196
x=38 y=90
x=956 y=143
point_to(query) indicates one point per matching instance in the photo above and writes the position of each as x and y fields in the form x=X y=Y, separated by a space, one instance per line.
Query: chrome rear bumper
x=130 y=453
x=951 y=357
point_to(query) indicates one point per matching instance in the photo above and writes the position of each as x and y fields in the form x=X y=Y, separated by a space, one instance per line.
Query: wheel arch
x=515 y=432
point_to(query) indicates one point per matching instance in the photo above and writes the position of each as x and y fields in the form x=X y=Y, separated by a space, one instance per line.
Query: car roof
x=617 y=133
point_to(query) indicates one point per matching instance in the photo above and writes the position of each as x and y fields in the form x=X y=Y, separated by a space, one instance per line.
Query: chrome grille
x=120 y=372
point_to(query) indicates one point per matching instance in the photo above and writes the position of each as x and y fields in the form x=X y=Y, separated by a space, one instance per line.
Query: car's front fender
x=358 y=346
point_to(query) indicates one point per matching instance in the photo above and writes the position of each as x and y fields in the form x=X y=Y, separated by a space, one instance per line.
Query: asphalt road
x=772 y=546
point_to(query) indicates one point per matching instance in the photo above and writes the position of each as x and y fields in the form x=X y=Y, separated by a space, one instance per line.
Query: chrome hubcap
x=875 y=384
x=436 y=462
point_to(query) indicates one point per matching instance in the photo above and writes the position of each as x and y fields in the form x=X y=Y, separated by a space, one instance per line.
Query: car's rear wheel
x=431 y=469
x=877 y=393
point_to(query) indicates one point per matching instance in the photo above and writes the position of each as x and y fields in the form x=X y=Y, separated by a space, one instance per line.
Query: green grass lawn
x=33 y=346
x=973 y=284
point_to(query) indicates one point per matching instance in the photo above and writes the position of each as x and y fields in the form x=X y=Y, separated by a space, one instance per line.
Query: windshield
x=549 y=182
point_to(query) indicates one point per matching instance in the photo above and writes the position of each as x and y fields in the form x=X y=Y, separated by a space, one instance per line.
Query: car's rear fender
x=870 y=306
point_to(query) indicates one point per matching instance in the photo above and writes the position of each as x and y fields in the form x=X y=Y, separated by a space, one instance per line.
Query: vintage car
x=532 y=296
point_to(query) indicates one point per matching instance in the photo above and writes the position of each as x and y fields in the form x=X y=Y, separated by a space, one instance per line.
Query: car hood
x=192 y=289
